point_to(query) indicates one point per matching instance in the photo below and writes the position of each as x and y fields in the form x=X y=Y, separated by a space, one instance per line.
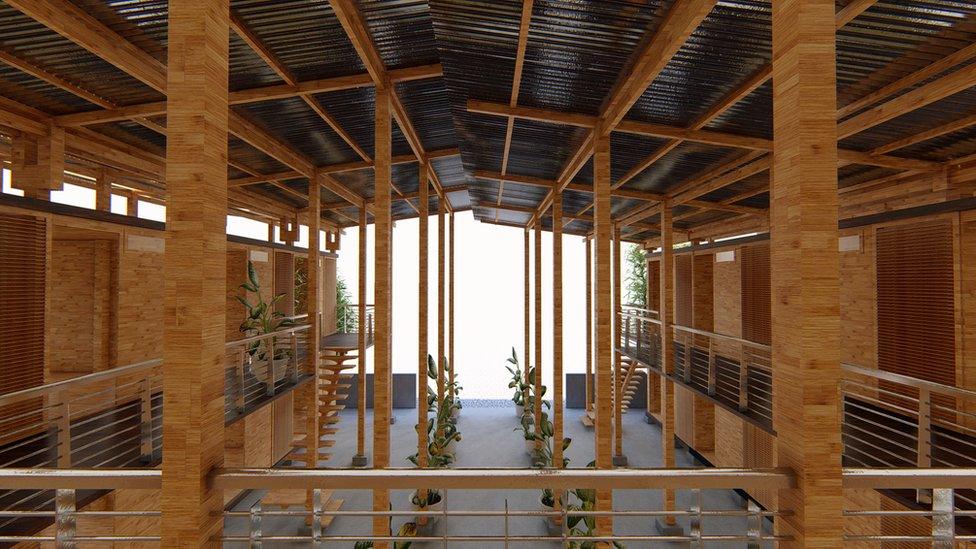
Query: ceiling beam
x=850 y=12
x=254 y=95
x=551 y=184
x=938 y=131
x=54 y=80
x=242 y=30
x=77 y=25
x=523 y=39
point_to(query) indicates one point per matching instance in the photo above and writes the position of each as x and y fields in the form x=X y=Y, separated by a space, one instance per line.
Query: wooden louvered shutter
x=916 y=315
x=756 y=306
x=23 y=258
x=653 y=285
x=284 y=281
x=682 y=290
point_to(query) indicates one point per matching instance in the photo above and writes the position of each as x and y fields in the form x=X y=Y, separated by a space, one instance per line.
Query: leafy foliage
x=347 y=317
x=442 y=427
x=516 y=382
x=262 y=318
x=637 y=276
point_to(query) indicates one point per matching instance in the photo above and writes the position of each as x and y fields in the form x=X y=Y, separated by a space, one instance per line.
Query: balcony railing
x=347 y=319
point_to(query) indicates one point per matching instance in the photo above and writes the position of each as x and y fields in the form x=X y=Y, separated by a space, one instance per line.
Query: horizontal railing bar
x=511 y=538
x=894 y=478
x=41 y=390
x=516 y=513
x=490 y=479
x=910 y=381
x=690 y=330
x=259 y=337
x=79 y=479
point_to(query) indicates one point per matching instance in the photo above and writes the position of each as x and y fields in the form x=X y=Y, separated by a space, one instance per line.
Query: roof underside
x=574 y=54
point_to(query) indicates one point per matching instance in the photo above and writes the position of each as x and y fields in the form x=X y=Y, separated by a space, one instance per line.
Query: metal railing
x=942 y=523
x=641 y=335
x=347 y=319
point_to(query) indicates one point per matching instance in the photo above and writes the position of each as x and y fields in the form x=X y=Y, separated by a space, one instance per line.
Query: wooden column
x=450 y=301
x=441 y=295
x=666 y=312
x=588 y=382
x=538 y=326
x=557 y=329
x=382 y=299
x=360 y=459
x=132 y=204
x=527 y=345
x=422 y=320
x=618 y=422
x=804 y=263
x=602 y=297
x=313 y=297
x=195 y=270
x=103 y=192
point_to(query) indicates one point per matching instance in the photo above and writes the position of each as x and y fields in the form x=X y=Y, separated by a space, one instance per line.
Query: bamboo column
x=588 y=382
x=195 y=261
x=313 y=298
x=804 y=263
x=538 y=327
x=450 y=304
x=132 y=204
x=528 y=316
x=103 y=192
x=666 y=312
x=619 y=458
x=422 y=318
x=382 y=299
x=441 y=320
x=603 y=357
x=360 y=459
x=557 y=329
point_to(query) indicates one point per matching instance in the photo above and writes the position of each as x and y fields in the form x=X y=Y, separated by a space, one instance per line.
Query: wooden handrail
x=48 y=388
x=931 y=386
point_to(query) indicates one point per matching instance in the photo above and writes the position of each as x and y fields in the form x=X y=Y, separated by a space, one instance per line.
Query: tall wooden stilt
x=103 y=192
x=383 y=303
x=195 y=259
x=422 y=318
x=537 y=411
x=666 y=312
x=603 y=356
x=450 y=302
x=618 y=378
x=805 y=270
x=441 y=295
x=557 y=329
x=589 y=326
x=313 y=291
x=527 y=345
x=360 y=459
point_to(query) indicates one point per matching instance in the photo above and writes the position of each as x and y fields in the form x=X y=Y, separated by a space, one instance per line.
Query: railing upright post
x=754 y=525
x=145 y=426
x=689 y=351
x=627 y=333
x=64 y=430
x=943 y=518
x=638 y=332
x=294 y=357
x=270 y=385
x=64 y=519
x=695 y=530
x=370 y=324
x=743 y=381
x=712 y=367
x=239 y=397
x=254 y=530
x=924 y=449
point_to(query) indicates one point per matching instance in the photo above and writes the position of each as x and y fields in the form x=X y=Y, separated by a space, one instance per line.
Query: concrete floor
x=489 y=441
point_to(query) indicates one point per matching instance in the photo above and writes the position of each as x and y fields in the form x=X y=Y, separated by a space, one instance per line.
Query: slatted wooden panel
x=916 y=320
x=23 y=257
x=653 y=285
x=683 y=290
x=236 y=275
x=756 y=308
x=301 y=276
x=284 y=281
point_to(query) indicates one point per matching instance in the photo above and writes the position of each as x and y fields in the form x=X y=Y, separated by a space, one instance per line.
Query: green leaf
x=252 y=275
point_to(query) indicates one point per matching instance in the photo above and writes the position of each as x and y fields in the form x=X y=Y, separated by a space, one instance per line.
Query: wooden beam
x=602 y=299
x=850 y=12
x=361 y=359
x=255 y=95
x=423 y=321
x=805 y=266
x=940 y=88
x=938 y=131
x=722 y=176
x=272 y=146
x=263 y=178
x=77 y=25
x=666 y=315
x=242 y=30
x=54 y=80
x=557 y=330
x=194 y=343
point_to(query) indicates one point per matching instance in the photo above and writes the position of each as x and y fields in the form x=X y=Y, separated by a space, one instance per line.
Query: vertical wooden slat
x=603 y=298
x=618 y=422
x=538 y=326
x=804 y=264
x=361 y=359
x=450 y=301
x=589 y=325
x=313 y=297
x=422 y=318
x=195 y=257
x=103 y=192
x=666 y=309
x=441 y=295
x=528 y=310
x=756 y=299
x=557 y=328
x=382 y=299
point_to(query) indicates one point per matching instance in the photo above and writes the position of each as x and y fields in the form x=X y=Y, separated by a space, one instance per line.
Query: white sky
x=488 y=297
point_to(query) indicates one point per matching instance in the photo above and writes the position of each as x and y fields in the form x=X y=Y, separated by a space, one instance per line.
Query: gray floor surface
x=489 y=441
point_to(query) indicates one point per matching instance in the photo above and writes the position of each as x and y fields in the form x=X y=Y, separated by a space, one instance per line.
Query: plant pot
x=427 y=521
x=262 y=371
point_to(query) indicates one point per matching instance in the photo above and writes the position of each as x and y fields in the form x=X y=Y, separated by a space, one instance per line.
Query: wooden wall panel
x=683 y=295
x=136 y=500
x=759 y=451
x=284 y=281
x=726 y=292
x=916 y=300
x=728 y=439
x=702 y=292
x=236 y=275
x=283 y=427
x=328 y=294
x=140 y=297
x=756 y=306
x=858 y=316
x=684 y=415
x=653 y=284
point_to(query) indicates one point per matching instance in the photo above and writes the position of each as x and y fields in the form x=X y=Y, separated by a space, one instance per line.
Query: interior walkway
x=489 y=440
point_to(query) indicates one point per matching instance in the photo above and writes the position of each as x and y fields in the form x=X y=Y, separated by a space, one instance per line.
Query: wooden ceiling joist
x=70 y=87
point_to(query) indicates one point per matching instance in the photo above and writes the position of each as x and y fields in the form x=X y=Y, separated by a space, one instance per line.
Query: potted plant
x=407 y=530
x=262 y=318
x=426 y=500
x=517 y=383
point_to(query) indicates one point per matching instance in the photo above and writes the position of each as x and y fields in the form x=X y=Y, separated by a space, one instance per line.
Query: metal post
x=689 y=350
x=924 y=458
x=64 y=519
x=712 y=374
x=627 y=333
x=270 y=386
x=241 y=357
x=317 y=517
x=695 y=529
x=754 y=526
x=254 y=532
x=294 y=357
x=64 y=431
x=743 y=382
